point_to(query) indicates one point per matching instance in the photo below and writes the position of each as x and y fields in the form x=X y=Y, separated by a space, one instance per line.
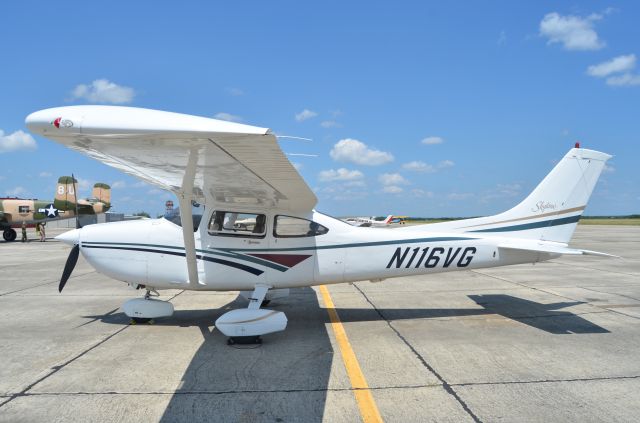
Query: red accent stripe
x=288 y=260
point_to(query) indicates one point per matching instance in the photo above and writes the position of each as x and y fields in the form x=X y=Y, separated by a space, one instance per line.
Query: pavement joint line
x=524 y=382
x=447 y=387
x=366 y=404
x=591 y=268
x=59 y=367
x=43 y=284
x=559 y=295
x=232 y=392
x=610 y=293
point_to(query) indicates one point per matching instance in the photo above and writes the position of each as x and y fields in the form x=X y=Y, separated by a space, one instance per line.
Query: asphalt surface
x=557 y=341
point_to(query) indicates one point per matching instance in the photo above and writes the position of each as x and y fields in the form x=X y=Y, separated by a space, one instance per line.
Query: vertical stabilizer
x=102 y=193
x=551 y=212
x=65 y=194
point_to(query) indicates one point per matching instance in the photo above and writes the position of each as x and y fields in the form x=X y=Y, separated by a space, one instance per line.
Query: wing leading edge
x=234 y=164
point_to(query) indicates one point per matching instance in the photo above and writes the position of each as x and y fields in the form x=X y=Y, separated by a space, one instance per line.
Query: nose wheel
x=146 y=309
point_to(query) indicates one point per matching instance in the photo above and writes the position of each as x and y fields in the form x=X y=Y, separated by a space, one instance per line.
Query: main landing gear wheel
x=9 y=235
x=245 y=326
x=141 y=320
x=244 y=340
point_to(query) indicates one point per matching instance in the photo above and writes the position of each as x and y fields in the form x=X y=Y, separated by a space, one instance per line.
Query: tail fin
x=65 y=194
x=102 y=193
x=388 y=219
x=551 y=212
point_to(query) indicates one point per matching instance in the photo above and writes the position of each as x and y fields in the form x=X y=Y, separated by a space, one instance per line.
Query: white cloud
x=432 y=140
x=228 y=117
x=624 y=80
x=83 y=183
x=608 y=169
x=418 y=166
x=305 y=114
x=392 y=189
x=118 y=184
x=330 y=124
x=156 y=191
x=297 y=166
x=18 y=140
x=502 y=38
x=235 y=91
x=350 y=150
x=615 y=65
x=103 y=91
x=420 y=193
x=45 y=174
x=140 y=184
x=14 y=192
x=341 y=174
x=574 y=32
x=459 y=196
x=387 y=179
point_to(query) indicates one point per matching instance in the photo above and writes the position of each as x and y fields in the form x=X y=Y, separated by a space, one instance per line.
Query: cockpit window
x=295 y=227
x=230 y=223
x=173 y=216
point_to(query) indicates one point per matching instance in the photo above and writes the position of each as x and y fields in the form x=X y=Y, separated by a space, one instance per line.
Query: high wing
x=205 y=160
x=229 y=163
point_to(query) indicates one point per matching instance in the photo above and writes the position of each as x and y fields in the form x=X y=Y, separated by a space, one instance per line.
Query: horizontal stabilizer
x=551 y=248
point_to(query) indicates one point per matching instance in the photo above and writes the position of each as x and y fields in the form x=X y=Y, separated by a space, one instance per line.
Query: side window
x=295 y=227
x=227 y=223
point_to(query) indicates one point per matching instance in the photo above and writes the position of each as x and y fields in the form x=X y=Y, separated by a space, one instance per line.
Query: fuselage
x=151 y=252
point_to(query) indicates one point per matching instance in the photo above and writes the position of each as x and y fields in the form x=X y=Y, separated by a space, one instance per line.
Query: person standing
x=42 y=232
x=24 y=232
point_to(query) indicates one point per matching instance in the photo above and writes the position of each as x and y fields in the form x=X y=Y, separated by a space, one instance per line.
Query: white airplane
x=368 y=221
x=239 y=173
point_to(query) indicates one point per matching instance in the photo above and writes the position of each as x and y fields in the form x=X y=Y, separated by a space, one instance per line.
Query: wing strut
x=185 y=196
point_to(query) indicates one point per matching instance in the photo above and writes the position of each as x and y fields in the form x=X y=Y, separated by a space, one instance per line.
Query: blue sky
x=422 y=108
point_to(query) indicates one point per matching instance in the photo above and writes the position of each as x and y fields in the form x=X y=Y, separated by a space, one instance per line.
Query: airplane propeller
x=75 y=251
x=69 y=266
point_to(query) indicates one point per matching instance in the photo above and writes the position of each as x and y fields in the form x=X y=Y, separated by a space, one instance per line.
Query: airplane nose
x=70 y=237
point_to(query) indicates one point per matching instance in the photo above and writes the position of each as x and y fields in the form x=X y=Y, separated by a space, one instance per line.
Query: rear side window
x=295 y=227
x=229 y=223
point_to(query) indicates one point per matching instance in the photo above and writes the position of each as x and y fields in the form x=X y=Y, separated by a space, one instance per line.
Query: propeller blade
x=73 y=179
x=69 y=266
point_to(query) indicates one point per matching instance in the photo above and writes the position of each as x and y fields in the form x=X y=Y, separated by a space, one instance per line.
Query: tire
x=9 y=235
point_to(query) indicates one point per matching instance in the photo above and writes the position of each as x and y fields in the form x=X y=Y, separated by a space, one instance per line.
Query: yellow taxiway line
x=368 y=408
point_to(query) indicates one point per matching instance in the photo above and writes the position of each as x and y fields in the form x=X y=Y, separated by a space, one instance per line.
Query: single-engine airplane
x=366 y=222
x=260 y=232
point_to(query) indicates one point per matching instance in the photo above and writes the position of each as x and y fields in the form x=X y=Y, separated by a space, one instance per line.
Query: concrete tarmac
x=555 y=341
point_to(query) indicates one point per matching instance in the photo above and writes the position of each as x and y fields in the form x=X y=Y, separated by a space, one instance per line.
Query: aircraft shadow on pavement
x=287 y=377
x=284 y=379
x=541 y=316
x=546 y=317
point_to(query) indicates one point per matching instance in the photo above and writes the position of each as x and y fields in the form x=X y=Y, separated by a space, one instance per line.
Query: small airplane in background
x=258 y=230
x=365 y=222
x=15 y=211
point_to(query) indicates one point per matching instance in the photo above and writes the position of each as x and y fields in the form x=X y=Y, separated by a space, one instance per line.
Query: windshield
x=174 y=217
